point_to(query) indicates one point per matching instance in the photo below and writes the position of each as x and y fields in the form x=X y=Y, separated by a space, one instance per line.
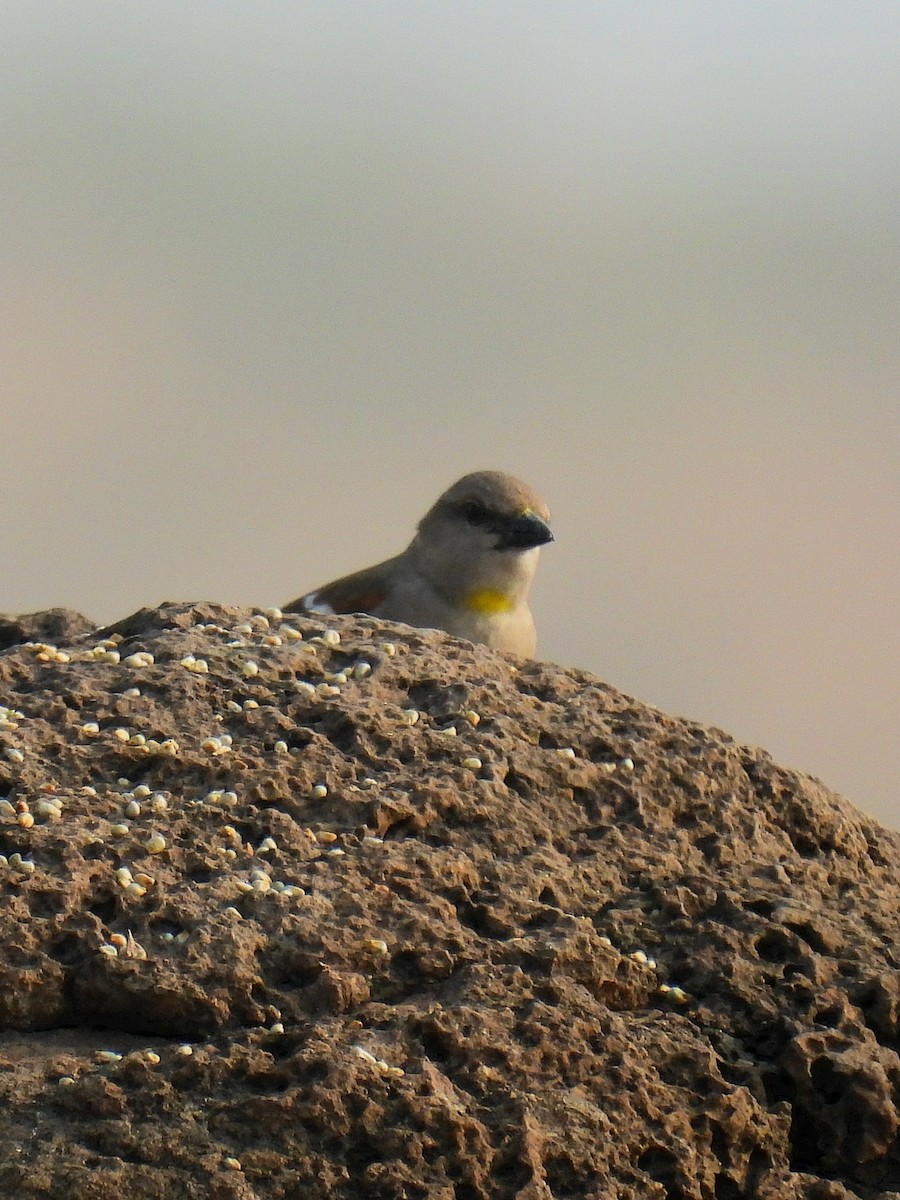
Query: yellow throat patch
x=488 y=601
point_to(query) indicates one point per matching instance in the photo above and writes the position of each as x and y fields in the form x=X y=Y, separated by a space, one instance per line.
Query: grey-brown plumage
x=467 y=570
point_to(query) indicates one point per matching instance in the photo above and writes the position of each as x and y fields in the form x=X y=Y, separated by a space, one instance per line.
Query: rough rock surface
x=430 y=924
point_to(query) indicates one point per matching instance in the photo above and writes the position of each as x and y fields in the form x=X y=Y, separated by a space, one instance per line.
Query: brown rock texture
x=292 y=908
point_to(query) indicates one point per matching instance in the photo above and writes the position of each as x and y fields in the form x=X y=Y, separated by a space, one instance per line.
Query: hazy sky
x=274 y=275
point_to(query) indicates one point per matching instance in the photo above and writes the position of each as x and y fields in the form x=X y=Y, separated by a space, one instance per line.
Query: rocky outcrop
x=292 y=908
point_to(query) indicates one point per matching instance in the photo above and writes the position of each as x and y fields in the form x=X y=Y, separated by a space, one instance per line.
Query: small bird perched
x=467 y=570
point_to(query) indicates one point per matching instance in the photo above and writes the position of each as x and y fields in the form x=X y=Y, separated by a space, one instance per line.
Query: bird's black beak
x=523 y=532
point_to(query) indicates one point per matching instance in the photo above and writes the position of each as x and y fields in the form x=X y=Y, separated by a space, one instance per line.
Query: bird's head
x=479 y=542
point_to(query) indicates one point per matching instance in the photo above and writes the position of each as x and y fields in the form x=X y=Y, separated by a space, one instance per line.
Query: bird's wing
x=361 y=592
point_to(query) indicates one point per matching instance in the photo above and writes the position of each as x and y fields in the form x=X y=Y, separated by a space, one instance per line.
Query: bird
x=467 y=570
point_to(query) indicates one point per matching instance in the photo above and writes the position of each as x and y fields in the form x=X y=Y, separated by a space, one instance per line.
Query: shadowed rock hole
x=67 y=949
x=104 y=908
x=757 y=1166
x=775 y=946
x=719 y=1141
x=804 y=1143
x=483 y=921
x=831 y=1016
x=727 y=1189
x=438 y=1044
x=438 y=700
x=47 y=904
x=827 y=1080
x=810 y=934
x=518 y=784
x=92 y=853
x=662 y=1167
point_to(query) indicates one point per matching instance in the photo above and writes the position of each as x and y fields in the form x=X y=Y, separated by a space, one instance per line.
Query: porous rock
x=394 y=916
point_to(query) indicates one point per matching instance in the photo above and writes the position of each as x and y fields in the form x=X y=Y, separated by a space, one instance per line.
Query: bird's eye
x=475 y=512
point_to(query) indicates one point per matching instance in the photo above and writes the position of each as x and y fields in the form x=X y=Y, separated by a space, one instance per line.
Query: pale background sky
x=273 y=275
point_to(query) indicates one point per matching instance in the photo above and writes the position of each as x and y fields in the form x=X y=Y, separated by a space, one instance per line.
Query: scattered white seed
x=280 y=747
x=137 y=739
x=273 y=614
x=123 y=877
x=217 y=745
x=250 y=669
x=14 y=755
x=6 y=809
x=108 y=951
x=185 y=1050
x=472 y=764
x=379 y=945
x=267 y=845
x=151 y=1057
x=65 y=1081
x=233 y=706
x=243 y=628
x=360 y=1052
x=140 y=659
x=319 y=792
x=90 y=727
x=566 y=752
x=627 y=764
x=449 y=730
x=136 y=889
x=132 y=809
x=302 y=688
x=249 y=705
x=326 y=837
x=119 y=830
x=409 y=716
x=122 y=734
x=276 y=1027
x=362 y=670
x=25 y=819
x=132 y=692
x=107 y=1056
x=389 y=649
x=169 y=746
x=234 y=1164
x=155 y=844
x=331 y=637
x=639 y=956
x=328 y=689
